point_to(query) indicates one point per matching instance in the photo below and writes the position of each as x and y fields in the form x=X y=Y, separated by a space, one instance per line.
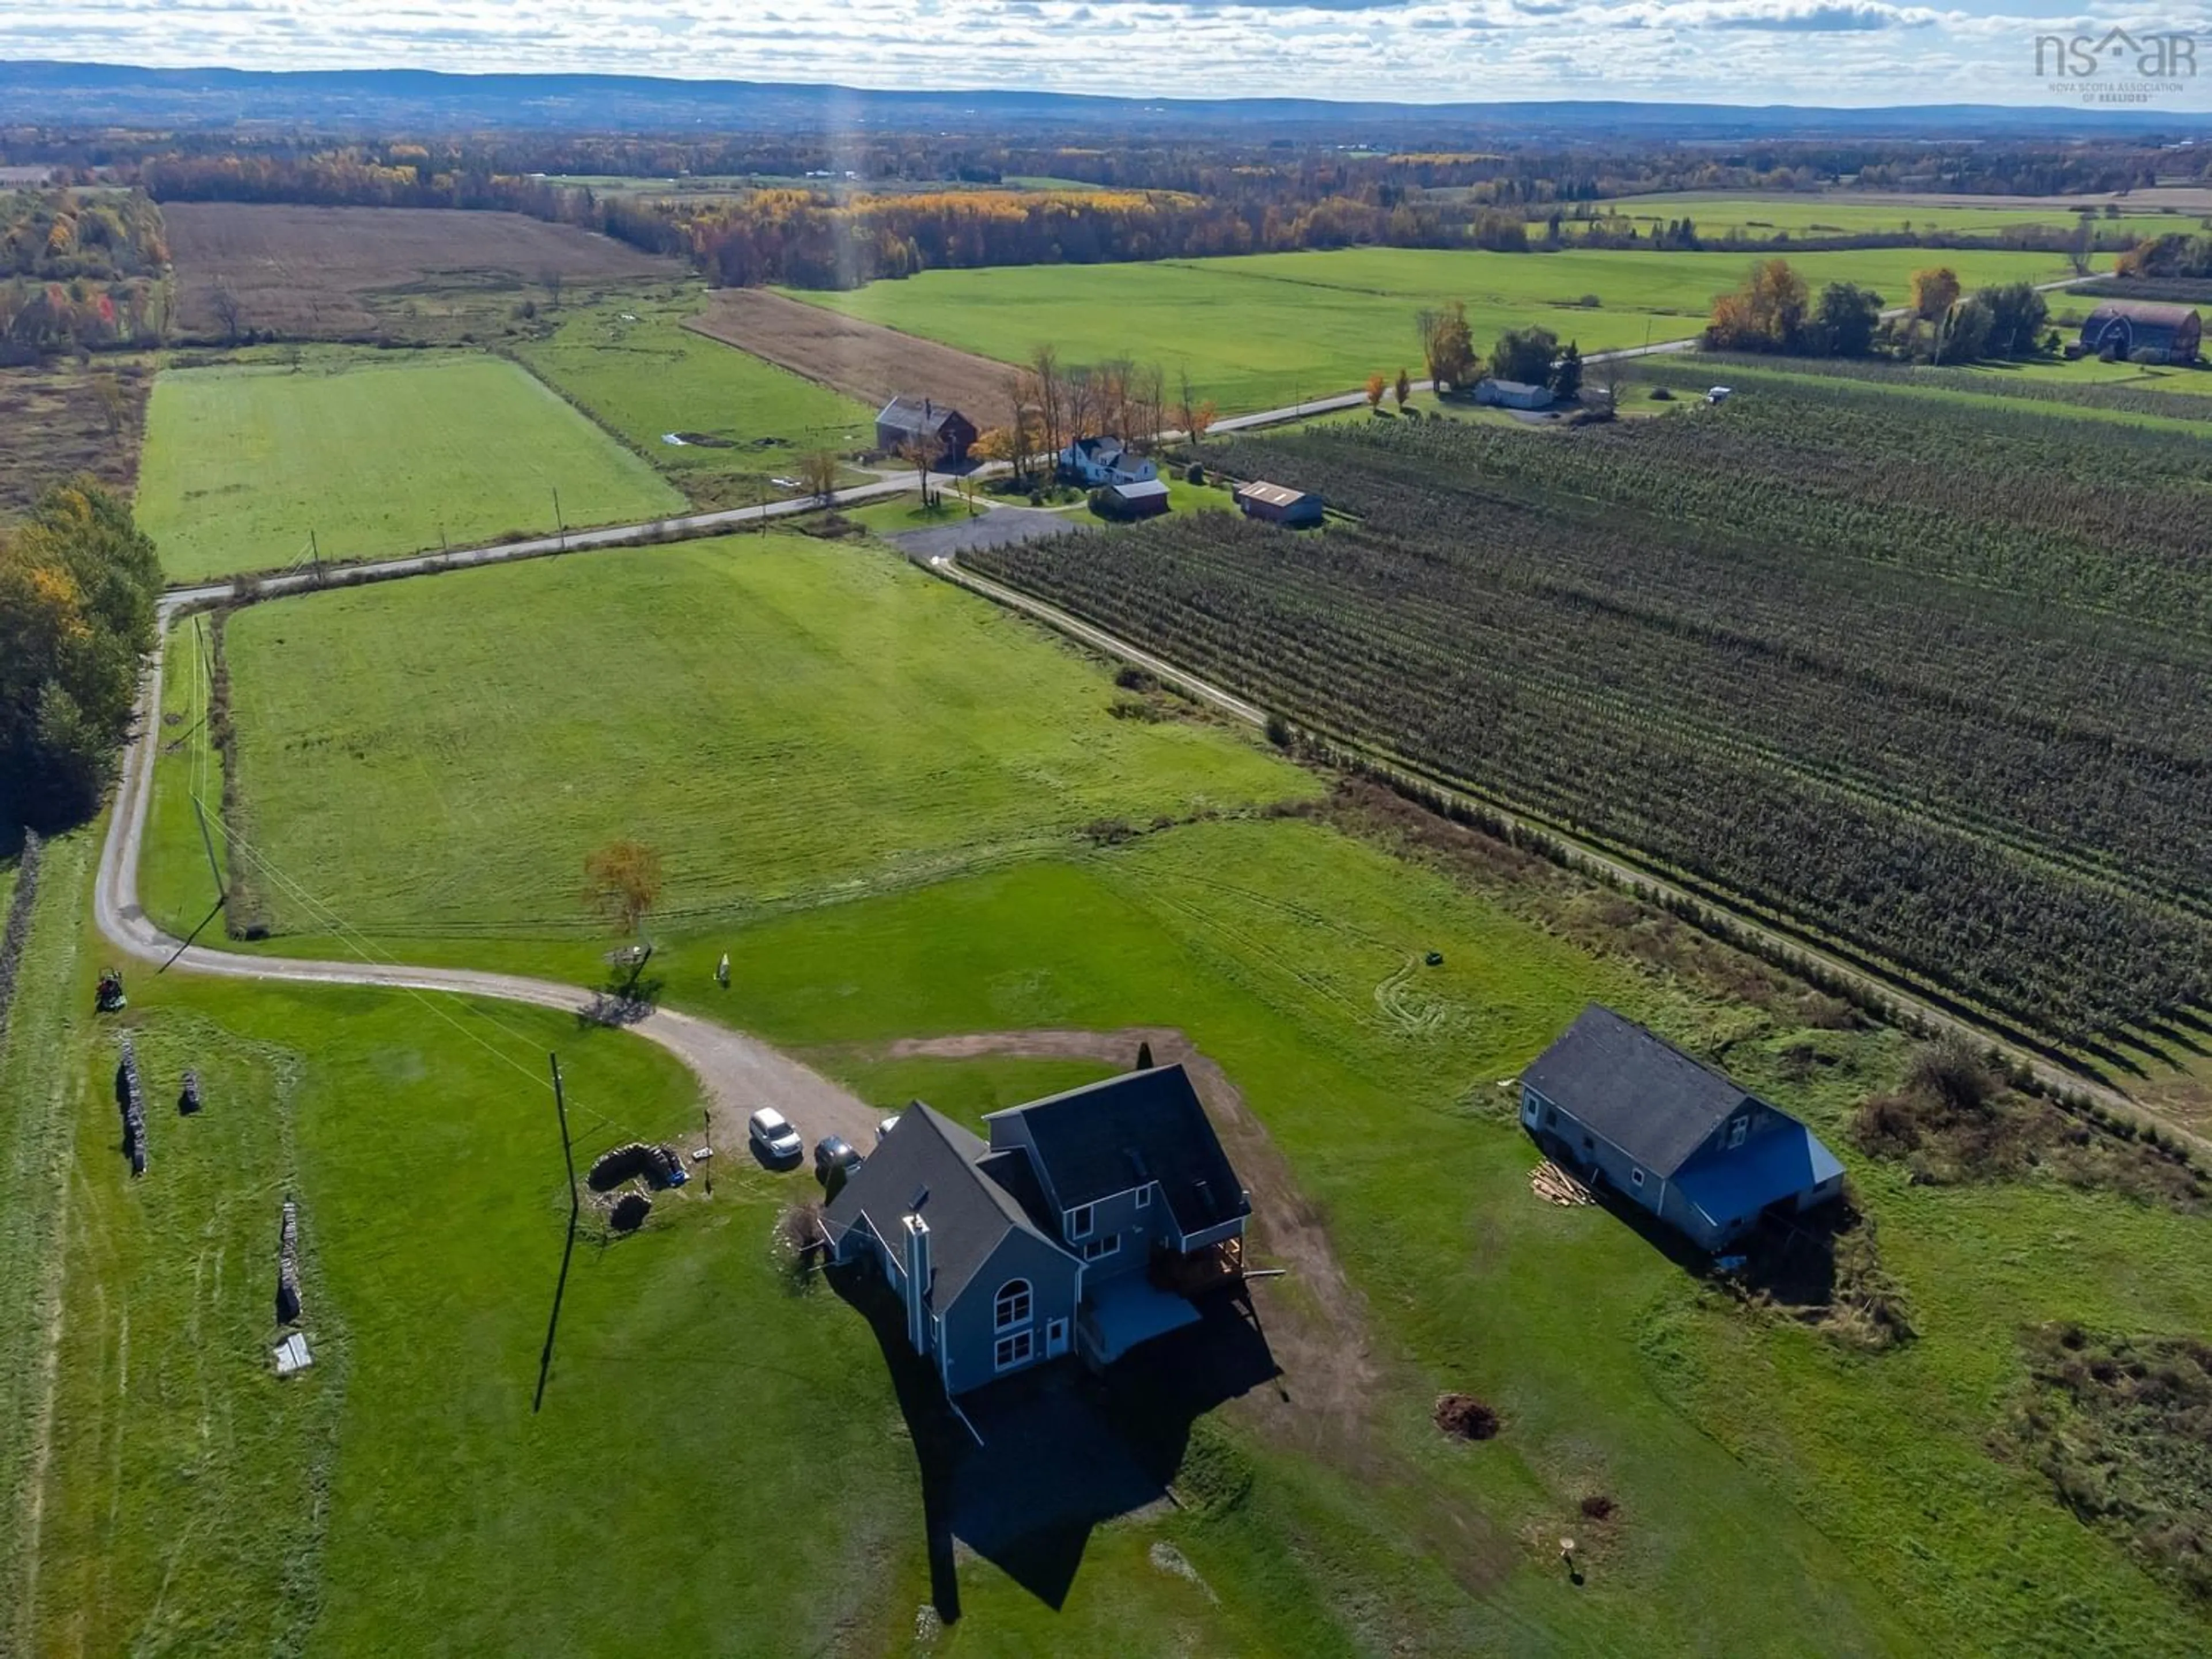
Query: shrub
x=1661 y=394
x=1196 y=474
x=1279 y=731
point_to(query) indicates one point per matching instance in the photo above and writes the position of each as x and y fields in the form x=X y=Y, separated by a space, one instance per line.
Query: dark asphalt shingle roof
x=919 y=416
x=1107 y=1138
x=1639 y=1091
x=968 y=1214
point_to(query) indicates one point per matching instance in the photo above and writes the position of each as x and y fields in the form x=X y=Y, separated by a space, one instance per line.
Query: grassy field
x=376 y=454
x=1265 y=331
x=720 y=1463
x=1718 y=213
x=627 y=360
x=796 y=720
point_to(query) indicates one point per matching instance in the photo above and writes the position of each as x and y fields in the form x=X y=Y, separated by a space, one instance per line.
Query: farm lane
x=737 y=1072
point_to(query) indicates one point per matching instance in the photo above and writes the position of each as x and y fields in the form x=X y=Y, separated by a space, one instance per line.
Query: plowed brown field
x=358 y=273
x=862 y=359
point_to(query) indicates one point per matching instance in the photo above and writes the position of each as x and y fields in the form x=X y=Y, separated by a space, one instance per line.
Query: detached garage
x=1278 y=504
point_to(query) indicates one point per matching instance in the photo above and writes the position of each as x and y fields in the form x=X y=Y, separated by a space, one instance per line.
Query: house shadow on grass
x=1061 y=1450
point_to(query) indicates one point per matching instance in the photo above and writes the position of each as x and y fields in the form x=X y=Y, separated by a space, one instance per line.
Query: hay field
x=787 y=720
x=377 y=455
x=1266 y=331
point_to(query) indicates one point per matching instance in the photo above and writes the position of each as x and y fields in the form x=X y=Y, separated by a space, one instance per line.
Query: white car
x=773 y=1137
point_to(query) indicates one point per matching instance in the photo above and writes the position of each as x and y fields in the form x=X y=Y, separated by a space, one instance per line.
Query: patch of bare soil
x=1314 y=1319
x=1466 y=1417
x=862 y=359
x=58 y=420
x=358 y=273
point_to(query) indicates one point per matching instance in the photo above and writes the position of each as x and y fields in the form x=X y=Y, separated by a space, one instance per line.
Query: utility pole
x=567 y=1249
x=316 y=547
x=558 y=523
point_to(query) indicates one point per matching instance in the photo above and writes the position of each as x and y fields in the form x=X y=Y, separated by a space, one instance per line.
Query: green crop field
x=1265 y=331
x=787 y=719
x=628 y=360
x=1720 y=212
x=376 y=454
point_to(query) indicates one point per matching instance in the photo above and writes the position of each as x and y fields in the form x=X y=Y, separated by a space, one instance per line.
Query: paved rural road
x=739 y=1072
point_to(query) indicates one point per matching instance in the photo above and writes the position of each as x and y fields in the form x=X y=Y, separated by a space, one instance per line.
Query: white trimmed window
x=1144 y=1198
x=1095 y=1248
x=1013 y=1350
x=1637 y=1175
x=1012 y=1306
x=1078 y=1222
x=1737 y=1131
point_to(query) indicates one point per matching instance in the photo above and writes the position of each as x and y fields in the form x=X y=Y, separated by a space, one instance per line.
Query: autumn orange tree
x=1935 y=291
x=621 y=883
x=1766 y=313
x=1377 y=383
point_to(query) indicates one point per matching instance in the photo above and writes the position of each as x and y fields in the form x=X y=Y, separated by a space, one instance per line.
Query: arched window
x=1012 y=1307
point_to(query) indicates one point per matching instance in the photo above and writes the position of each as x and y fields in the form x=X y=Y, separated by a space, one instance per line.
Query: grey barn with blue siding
x=1696 y=1149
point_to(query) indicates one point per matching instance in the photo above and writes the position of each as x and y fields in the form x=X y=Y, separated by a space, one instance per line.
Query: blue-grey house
x=1674 y=1134
x=1048 y=1238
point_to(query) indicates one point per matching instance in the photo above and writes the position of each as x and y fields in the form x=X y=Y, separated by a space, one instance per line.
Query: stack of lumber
x=1548 y=1181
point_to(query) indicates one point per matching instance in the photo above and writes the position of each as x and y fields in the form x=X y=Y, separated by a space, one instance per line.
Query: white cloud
x=1826 y=52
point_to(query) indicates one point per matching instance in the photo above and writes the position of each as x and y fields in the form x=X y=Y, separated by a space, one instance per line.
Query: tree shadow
x=1061 y=1450
x=621 y=1002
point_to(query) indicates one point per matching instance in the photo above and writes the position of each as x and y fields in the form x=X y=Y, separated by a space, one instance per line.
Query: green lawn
x=1718 y=213
x=788 y=720
x=1267 y=330
x=627 y=360
x=375 y=454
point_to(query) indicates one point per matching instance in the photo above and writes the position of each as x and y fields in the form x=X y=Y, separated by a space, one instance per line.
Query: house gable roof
x=1107 y=452
x=919 y=416
x=1637 y=1090
x=927 y=1156
x=1126 y=1132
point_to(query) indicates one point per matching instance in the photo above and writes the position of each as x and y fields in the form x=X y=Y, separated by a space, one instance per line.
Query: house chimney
x=917 y=1284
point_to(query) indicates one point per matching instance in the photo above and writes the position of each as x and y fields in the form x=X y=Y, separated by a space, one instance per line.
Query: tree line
x=78 y=584
x=1773 y=311
x=78 y=270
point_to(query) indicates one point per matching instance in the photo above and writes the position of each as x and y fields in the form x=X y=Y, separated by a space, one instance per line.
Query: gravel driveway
x=998 y=527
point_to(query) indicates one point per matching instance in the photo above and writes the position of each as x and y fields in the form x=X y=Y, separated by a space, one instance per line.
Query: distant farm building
x=1083 y=1224
x=1670 y=1133
x=2170 y=334
x=1279 y=504
x=1512 y=394
x=1103 y=461
x=907 y=421
x=1147 y=500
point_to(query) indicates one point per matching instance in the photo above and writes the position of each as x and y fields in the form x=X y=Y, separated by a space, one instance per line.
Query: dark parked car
x=834 y=1152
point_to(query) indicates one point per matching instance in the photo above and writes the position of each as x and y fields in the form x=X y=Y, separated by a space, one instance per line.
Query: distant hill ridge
x=342 y=99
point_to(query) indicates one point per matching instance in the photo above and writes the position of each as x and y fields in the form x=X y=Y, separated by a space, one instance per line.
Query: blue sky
x=1832 y=51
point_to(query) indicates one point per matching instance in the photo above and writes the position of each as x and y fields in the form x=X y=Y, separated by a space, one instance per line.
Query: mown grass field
x=1720 y=212
x=376 y=455
x=720 y=1464
x=628 y=359
x=788 y=720
x=1265 y=331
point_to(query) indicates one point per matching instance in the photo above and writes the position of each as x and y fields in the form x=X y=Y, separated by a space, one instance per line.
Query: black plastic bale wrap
x=131 y=1098
x=288 y=1266
x=188 y=1101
